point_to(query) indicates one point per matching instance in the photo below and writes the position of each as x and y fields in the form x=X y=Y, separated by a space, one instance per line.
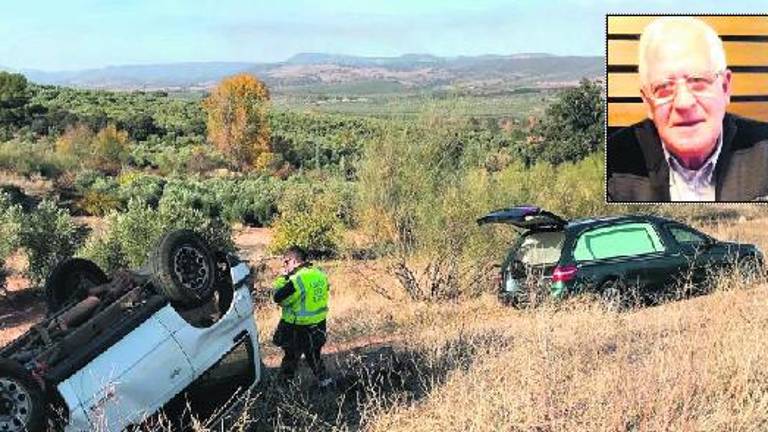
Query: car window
x=684 y=235
x=539 y=248
x=626 y=239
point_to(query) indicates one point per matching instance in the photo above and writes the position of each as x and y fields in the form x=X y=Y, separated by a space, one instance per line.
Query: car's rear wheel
x=750 y=268
x=22 y=401
x=69 y=282
x=614 y=296
x=183 y=268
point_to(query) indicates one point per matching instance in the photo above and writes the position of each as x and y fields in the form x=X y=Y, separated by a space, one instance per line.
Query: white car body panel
x=78 y=420
x=157 y=360
x=132 y=378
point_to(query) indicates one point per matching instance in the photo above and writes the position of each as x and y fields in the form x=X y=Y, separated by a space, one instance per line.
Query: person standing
x=302 y=293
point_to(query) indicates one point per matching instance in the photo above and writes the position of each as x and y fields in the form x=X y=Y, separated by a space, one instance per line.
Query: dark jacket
x=637 y=170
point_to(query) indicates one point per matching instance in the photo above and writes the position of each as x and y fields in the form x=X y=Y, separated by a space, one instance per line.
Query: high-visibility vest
x=309 y=303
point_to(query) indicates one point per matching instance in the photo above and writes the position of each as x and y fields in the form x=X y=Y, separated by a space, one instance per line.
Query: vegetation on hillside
x=398 y=196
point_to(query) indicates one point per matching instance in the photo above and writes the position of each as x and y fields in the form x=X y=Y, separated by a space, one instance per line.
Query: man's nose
x=684 y=99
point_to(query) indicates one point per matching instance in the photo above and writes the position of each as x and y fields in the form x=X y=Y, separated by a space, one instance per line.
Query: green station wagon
x=640 y=255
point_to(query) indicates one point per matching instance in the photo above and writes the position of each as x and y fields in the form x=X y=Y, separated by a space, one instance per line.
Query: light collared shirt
x=692 y=185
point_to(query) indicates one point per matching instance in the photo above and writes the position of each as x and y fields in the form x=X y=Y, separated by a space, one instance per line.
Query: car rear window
x=683 y=235
x=617 y=240
x=540 y=248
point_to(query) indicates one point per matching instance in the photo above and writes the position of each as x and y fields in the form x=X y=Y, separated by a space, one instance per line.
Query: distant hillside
x=320 y=69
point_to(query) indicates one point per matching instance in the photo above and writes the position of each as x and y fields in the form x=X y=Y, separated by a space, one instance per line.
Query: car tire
x=21 y=399
x=69 y=282
x=750 y=268
x=183 y=268
x=613 y=296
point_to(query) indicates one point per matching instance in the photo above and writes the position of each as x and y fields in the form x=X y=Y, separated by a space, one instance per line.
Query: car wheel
x=69 y=282
x=613 y=296
x=22 y=402
x=183 y=268
x=750 y=268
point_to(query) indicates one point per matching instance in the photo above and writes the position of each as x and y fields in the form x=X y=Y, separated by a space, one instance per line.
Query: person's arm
x=283 y=289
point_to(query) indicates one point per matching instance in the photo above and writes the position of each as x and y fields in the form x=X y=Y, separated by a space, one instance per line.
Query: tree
x=572 y=127
x=237 y=120
x=14 y=96
x=139 y=126
x=109 y=150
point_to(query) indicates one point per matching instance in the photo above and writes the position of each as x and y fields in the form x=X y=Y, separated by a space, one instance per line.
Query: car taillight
x=564 y=273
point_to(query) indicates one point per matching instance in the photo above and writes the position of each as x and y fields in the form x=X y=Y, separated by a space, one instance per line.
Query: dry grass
x=697 y=364
x=693 y=365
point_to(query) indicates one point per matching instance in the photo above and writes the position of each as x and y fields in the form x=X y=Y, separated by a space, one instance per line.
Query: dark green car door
x=701 y=255
x=632 y=253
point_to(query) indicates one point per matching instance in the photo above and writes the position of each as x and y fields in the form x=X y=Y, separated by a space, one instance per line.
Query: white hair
x=658 y=30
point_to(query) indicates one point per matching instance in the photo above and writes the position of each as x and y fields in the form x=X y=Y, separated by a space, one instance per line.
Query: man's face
x=689 y=123
x=289 y=262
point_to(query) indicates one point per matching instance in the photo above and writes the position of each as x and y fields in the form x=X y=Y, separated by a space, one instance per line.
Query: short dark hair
x=298 y=252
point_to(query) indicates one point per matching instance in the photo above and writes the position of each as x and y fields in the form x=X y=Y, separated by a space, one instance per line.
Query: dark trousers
x=298 y=340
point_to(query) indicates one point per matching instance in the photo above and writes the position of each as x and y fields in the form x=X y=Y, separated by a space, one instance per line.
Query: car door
x=699 y=260
x=204 y=346
x=631 y=252
x=132 y=378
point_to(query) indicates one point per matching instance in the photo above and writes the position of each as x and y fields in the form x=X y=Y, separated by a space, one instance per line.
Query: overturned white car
x=114 y=353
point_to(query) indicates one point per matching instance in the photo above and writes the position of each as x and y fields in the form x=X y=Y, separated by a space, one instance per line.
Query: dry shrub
x=109 y=149
x=75 y=142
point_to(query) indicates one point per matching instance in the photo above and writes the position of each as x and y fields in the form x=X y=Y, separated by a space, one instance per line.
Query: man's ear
x=648 y=104
x=727 y=85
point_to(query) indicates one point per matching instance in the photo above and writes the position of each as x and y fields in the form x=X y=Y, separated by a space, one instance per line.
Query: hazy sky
x=76 y=34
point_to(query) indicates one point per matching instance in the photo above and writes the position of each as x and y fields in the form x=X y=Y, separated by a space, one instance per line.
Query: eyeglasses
x=698 y=84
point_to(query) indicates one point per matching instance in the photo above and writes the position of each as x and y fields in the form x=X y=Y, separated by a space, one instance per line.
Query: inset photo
x=687 y=108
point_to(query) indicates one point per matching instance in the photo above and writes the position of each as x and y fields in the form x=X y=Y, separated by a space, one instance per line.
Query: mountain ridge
x=413 y=70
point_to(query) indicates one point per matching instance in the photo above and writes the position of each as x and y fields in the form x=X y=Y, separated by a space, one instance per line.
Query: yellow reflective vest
x=309 y=303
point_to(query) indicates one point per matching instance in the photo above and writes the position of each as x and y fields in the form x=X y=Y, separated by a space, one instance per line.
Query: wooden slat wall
x=745 y=39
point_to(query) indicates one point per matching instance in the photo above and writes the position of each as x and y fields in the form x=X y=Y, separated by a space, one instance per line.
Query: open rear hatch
x=534 y=256
x=525 y=217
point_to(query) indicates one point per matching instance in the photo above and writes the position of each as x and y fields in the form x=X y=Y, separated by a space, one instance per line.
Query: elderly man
x=689 y=148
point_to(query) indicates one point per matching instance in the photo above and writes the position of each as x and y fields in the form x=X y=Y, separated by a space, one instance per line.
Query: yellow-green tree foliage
x=110 y=149
x=75 y=141
x=237 y=120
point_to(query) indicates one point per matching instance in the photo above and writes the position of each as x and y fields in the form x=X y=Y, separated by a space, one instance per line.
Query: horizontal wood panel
x=625 y=114
x=737 y=53
x=723 y=25
x=627 y=84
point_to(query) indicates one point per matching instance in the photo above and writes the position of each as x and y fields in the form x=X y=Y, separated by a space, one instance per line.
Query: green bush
x=48 y=235
x=99 y=194
x=11 y=217
x=309 y=218
x=106 y=251
x=190 y=194
x=27 y=158
x=10 y=232
x=142 y=187
x=251 y=200
x=131 y=235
